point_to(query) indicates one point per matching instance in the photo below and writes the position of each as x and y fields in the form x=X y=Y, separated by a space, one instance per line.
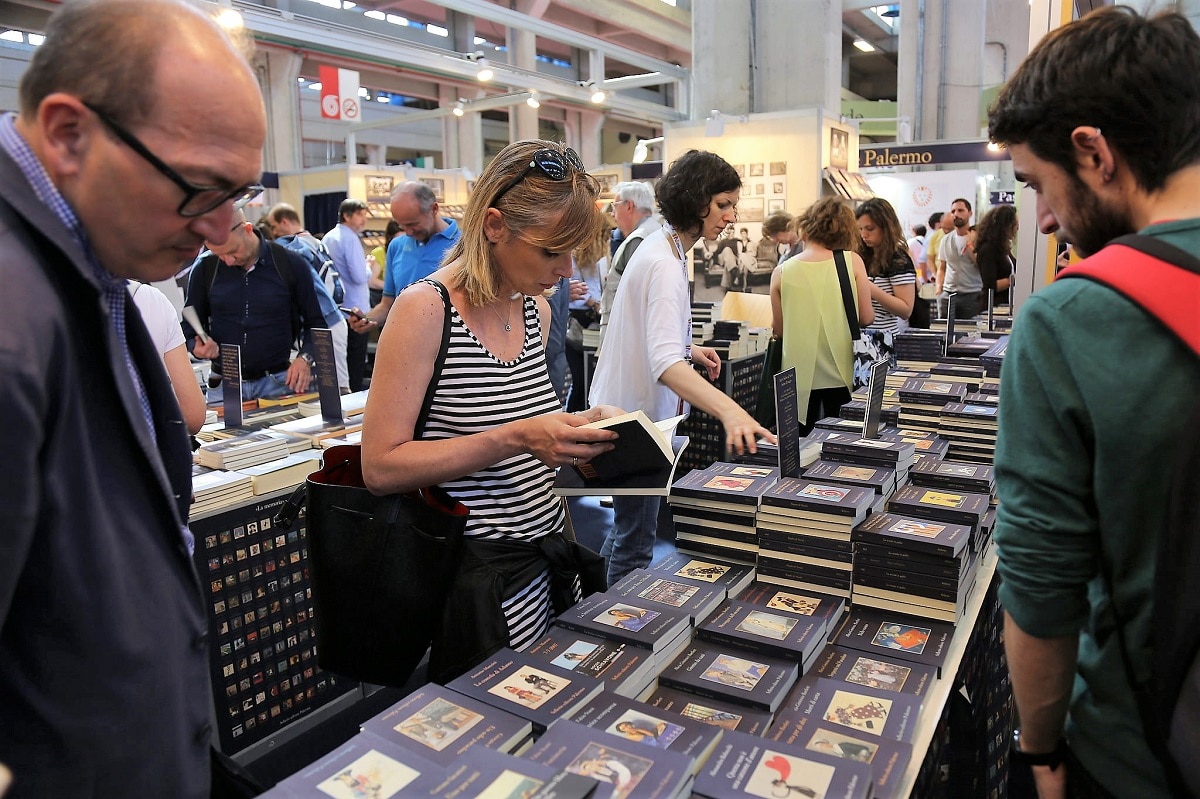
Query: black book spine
x=914 y=589
x=951 y=569
x=864 y=572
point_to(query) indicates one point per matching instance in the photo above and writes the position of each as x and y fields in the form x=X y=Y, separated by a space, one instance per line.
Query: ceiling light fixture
x=459 y=108
x=864 y=45
x=533 y=101
x=485 y=72
x=598 y=94
x=641 y=150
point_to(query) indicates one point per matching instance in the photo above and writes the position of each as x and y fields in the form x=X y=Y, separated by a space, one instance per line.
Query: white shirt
x=916 y=248
x=961 y=272
x=162 y=321
x=649 y=331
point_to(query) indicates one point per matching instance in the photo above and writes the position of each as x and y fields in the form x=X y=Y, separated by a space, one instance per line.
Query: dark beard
x=1094 y=225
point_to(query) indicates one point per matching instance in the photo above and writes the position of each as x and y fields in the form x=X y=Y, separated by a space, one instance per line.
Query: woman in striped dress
x=890 y=267
x=494 y=433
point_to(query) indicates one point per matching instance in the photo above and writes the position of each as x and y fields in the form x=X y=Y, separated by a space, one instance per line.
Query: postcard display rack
x=266 y=685
x=739 y=379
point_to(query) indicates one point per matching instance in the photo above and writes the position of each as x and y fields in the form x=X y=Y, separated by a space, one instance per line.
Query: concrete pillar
x=590 y=125
x=522 y=53
x=797 y=58
x=952 y=69
x=277 y=72
x=462 y=137
x=721 y=40
x=911 y=65
x=377 y=154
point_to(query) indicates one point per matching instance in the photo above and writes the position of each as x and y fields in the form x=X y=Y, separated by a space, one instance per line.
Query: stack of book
x=915 y=566
x=839 y=425
x=975 y=478
x=714 y=509
x=744 y=766
x=889 y=452
x=925 y=444
x=352 y=405
x=973 y=347
x=993 y=359
x=712 y=712
x=728 y=674
x=219 y=489
x=316 y=429
x=971 y=430
x=921 y=402
x=625 y=670
x=283 y=473
x=752 y=628
x=247 y=449
x=730 y=576
x=534 y=690
x=956 y=507
x=916 y=347
x=804 y=534
x=365 y=764
x=874 y=671
x=897 y=637
x=630 y=770
x=856 y=409
x=880 y=479
x=618 y=619
x=441 y=725
x=650 y=727
x=853 y=722
x=825 y=609
x=969 y=375
x=659 y=592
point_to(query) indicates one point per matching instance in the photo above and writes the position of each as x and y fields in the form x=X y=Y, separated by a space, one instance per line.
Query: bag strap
x=438 y=363
x=1160 y=278
x=839 y=257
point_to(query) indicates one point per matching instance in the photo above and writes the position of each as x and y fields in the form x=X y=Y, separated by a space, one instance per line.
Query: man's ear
x=65 y=129
x=1092 y=153
x=494 y=226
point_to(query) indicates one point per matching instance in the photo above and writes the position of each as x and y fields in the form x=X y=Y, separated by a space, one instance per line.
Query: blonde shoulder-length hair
x=526 y=208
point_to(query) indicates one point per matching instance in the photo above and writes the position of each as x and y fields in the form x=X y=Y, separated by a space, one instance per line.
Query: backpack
x=326 y=270
x=279 y=258
x=1164 y=281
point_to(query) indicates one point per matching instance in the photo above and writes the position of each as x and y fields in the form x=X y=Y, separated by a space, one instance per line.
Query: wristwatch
x=1053 y=758
x=308 y=359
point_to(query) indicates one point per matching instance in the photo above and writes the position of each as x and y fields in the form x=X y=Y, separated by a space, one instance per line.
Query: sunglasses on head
x=554 y=164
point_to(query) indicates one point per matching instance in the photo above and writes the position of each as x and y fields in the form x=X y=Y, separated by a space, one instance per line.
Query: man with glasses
x=260 y=296
x=633 y=210
x=140 y=128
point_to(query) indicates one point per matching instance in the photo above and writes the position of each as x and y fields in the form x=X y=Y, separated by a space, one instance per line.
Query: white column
x=277 y=72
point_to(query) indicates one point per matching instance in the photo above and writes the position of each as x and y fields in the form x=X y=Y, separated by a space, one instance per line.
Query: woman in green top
x=808 y=310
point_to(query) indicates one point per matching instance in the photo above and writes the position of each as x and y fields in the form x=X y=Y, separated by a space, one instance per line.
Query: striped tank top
x=511 y=499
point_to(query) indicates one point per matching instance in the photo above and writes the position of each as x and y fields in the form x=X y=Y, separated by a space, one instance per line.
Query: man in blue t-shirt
x=419 y=252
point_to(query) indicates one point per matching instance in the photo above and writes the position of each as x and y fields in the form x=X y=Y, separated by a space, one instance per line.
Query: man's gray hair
x=424 y=195
x=640 y=193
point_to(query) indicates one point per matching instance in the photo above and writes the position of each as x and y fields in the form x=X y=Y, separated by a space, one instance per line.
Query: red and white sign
x=339 y=94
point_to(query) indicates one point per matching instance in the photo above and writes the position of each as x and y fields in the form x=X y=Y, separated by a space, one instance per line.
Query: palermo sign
x=873 y=157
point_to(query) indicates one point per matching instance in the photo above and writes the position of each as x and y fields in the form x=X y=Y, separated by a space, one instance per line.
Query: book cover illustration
x=438 y=724
x=373 y=774
x=895 y=636
x=644 y=587
x=619 y=619
x=536 y=691
x=858 y=668
x=719 y=671
x=649 y=726
x=743 y=766
x=625 y=669
x=530 y=687
x=364 y=766
x=867 y=714
x=756 y=629
x=858 y=711
x=709 y=711
x=823 y=608
x=485 y=774
x=780 y=775
x=926 y=535
x=730 y=576
x=737 y=672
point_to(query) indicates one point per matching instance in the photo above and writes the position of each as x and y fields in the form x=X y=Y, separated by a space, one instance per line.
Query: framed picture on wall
x=379 y=188
x=438 y=185
x=608 y=183
x=778 y=168
x=760 y=188
x=839 y=148
x=775 y=205
x=750 y=209
x=756 y=170
x=777 y=187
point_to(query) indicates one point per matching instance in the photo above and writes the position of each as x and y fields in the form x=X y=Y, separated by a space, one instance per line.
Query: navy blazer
x=104 y=686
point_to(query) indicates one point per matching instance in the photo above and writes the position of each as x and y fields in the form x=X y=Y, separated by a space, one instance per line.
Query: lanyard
x=682 y=255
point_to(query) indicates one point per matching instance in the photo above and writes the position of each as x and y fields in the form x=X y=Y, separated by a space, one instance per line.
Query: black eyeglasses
x=197 y=200
x=554 y=164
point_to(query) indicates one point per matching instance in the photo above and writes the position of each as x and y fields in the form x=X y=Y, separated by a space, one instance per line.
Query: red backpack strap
x=1159 y=277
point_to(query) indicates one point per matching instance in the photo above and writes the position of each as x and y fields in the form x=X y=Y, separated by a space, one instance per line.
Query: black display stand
x=263 y=658
x=739 y=379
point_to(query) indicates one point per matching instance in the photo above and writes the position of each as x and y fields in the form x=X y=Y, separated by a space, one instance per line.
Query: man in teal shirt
x=1093 y=391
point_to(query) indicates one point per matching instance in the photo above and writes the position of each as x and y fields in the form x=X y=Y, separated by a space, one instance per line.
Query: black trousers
x=823 y=402
x=356 y=358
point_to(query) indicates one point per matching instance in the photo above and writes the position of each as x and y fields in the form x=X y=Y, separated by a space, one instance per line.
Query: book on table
x=642 y=586
x=631 y=771
x=943 y=539
x=744 y=766
x=366 y=765
x=760 y=630
x=897 y=636
x=714 y=712
x=733 y=577
x=441 y=725
x=873 y=671
x=826 y=609
x=619 y=619
x=723 y=672
x=819 y=702
x=532 y=689
x=638 y=722
x=483 y=772
x=624 y=669
x=642 y=461
x=956 y=507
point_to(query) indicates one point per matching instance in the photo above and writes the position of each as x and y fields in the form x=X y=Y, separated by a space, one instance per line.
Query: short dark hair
x=350 y=207
x=829 y=222
x=684 y=193
x=935 y=219
x=962 y=200
x=1147 y=104
x=776 y=223
x=281 y=212
x=920 y=230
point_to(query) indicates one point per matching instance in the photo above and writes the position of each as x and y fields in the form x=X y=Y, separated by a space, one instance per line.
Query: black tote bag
x=764 y=409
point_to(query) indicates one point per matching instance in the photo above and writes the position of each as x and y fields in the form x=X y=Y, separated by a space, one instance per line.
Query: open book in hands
x=642 y=461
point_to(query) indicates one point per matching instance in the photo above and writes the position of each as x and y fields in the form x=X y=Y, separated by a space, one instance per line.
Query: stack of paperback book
x=804 y=534
x=247 y=449
x=921 y=402
x=624 y=669
x=993 y=359
x=729 y=674
x=970 y=376
x=880 y=479
x=915 y=566
x=956 y=507
x=895 y=453
x=874 y=671
x=825 y=609
x=925 y=444
x=316 y=429
x=839 y=425
x=730 y=576
x=283 y=473
x=630 y=770
x=366 y=765
x=743 y=766
x=442 y=726
x=752 y=628
x=969 y=347
x=659 y=592
x=625 y=621
x=977 y=478
x=897 y=637
x=641 y=724
x=712 y=712
x=532 y=689
x=971 y=430
x=856 y=409
x=714 y=509
x=352 y=405
x=219 y=489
